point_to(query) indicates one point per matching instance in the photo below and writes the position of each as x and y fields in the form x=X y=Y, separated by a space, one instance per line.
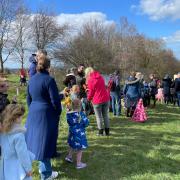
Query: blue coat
x=132 y=89
x=77 y=122
x=43 y=118
x=16 y=160
x=132 y=92
x=33 y=65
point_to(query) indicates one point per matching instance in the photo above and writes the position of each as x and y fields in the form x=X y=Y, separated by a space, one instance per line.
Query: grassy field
x=134 y=151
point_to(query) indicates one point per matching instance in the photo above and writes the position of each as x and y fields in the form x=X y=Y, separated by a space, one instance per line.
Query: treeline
x=118 y=46
x=105 y=47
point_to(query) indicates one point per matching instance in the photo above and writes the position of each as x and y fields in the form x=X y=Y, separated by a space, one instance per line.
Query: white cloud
x=159 y=9
x=173 y=42
x=174 y=38
x=77 y=20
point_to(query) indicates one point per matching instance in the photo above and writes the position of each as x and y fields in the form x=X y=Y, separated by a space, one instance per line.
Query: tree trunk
x=22 y=63
x=2 y=64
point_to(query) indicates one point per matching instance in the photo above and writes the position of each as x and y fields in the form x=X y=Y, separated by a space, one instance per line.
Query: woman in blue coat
x=43 y=118
x=132 y=92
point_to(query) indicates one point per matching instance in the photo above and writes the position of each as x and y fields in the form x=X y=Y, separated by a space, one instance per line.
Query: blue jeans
x=45 y=168
x=116 y=103
x=178 y=98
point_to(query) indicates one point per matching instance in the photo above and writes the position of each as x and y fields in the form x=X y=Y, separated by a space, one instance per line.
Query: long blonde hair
x=75 y=88
x=88 y=71
x=9 y=116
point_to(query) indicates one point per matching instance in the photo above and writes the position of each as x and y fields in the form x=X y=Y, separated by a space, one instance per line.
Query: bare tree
x=90 y=47
x=117 y=47
x=8 y=9
x=23 y=35
x=46 y=30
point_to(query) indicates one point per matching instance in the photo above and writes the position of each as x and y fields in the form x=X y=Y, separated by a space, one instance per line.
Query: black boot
x=100 y=133
x=107 y=131
x=127 y=112
x=131 y=112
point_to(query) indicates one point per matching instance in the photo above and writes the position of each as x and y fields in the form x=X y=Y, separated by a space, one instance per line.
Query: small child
x=16 y=160
x=159 y=95
x=75 y=90
x=77 y=141
x=4 y=101
x=66 y=102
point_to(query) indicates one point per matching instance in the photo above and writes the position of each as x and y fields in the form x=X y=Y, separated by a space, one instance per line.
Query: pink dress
x=139 y=113
x=159 y=95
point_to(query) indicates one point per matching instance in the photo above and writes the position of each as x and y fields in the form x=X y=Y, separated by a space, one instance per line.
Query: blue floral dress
x=77 y=122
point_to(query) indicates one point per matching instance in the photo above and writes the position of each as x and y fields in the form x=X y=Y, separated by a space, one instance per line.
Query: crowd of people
x=85 y=93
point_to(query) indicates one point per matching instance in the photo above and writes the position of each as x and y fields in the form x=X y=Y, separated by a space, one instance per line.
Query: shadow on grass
x=132 y=149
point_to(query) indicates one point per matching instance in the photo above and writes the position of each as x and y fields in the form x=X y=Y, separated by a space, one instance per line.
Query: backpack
x=111 y=85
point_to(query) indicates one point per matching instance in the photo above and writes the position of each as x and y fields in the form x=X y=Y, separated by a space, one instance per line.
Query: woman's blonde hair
x=74 y=88
x=76 y=104
x=9 y=116
x=88 y=71
x=43 y=63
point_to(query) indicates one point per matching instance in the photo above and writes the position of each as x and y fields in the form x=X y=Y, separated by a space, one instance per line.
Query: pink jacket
x=97 y=92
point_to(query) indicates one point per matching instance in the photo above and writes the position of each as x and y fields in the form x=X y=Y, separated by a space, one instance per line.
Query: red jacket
x=97 y=92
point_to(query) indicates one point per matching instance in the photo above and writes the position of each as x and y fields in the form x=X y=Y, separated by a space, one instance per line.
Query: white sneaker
x=69 y=160
x=53 y=175
x=81 y=166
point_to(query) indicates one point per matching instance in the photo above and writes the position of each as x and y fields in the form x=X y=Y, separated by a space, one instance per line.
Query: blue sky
x=154 y=18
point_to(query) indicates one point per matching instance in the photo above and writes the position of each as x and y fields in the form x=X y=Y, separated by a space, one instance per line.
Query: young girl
x=159 y=95
x=75 y=92
x=77 y=141
x=66 y=102
x=16 y=162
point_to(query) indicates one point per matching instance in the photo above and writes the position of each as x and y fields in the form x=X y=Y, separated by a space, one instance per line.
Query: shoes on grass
x=100 y=132
x=81 y=166
x=53 y=175
x=69 y=160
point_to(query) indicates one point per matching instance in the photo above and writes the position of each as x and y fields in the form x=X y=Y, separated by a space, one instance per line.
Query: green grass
x=134 y=151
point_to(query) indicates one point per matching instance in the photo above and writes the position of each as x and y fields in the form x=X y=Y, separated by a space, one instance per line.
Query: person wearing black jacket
x=177 y=88
x=70 y=78
x=166 y=85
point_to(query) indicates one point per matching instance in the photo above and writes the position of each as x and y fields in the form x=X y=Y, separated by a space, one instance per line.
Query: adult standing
x=153 y=88
x=32 y=67
x=70 y=78
x=33 y=60
x=43 y=118
x=166 y=85
x=132 y=92
x=177 y=88
x=81 y=82
x=98 y=94
x=115 y=93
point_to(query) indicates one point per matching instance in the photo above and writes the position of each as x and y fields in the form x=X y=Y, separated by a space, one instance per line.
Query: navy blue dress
x=77 y=122
x=43 y=118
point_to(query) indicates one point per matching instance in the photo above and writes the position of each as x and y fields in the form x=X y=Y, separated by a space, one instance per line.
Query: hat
x=166 y=76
